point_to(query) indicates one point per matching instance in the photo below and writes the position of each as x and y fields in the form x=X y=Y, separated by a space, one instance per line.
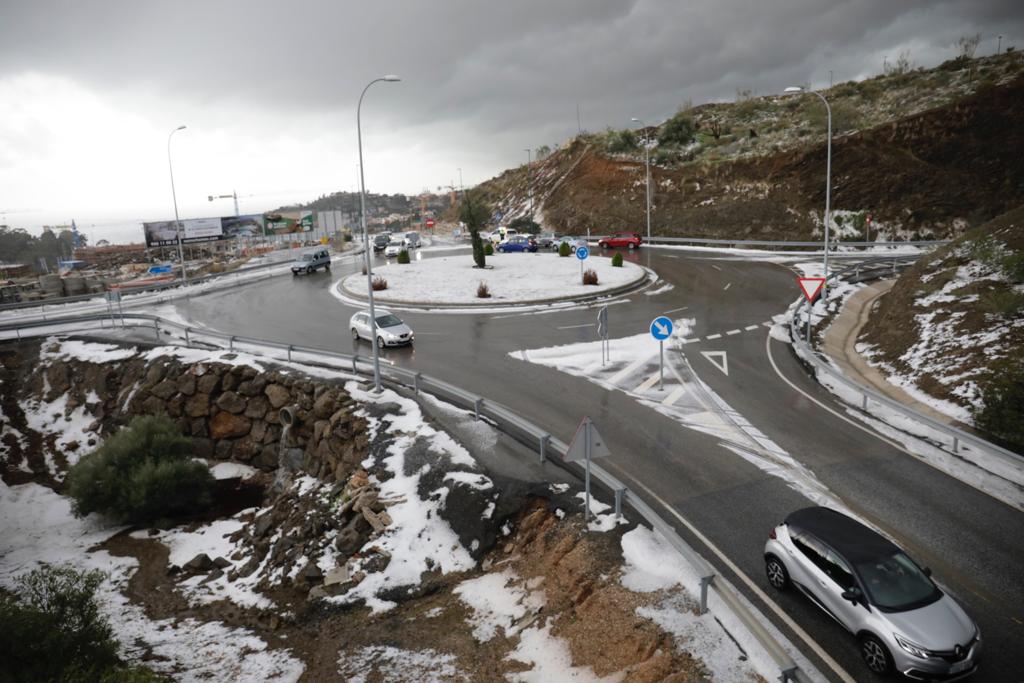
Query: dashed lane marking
x=713 y=336
x=676 y=310
x=573 y=327
x=732 y=332
x=715 y=267
x=691 y=341
x=748 y=328
x=727 y=287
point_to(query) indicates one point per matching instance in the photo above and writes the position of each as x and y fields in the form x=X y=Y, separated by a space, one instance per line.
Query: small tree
x=617 y=259
x=474 y=213
x=678 y=130
x=488 y=248
x=564 y=249
x=141 y=474
x=403 y=256
x=524 y=224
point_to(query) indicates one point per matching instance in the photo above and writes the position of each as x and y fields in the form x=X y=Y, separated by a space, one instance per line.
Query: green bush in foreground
x=617 y=259
x=488 y=249
x=564 y=249
x=51 y=629
x=1002 y=414
x=141 y=474
x=403 y=256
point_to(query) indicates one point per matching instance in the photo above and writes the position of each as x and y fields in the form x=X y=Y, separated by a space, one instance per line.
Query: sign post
x=811 y=287
x=602 y=332
x=661 y=329
x=582 y=253
x=586 y=445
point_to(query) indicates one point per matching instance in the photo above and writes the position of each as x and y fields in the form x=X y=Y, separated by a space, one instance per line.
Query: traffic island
x=514 y=280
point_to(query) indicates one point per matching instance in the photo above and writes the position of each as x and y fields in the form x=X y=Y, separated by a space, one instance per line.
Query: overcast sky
x=89 y=91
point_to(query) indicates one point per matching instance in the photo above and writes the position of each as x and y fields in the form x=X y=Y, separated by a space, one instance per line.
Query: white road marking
x=674 y=396
x=898 y=446
x=754 y=588
x=722 y=363
x=748 y=328
x=691 y=341
x=624 y=372
x=647 y=383
x=715 y=267
x=676 y=310
x=768 y=323
x=668 y=256
x=727 y=287
x=732 y=332
x=713 y=336
x=573 y=327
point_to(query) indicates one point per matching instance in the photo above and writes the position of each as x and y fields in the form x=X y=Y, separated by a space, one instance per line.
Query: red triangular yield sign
x=811 y=286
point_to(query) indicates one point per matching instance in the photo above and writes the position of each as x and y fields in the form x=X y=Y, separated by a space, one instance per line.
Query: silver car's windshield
x=307 y=257
x=896 y=584
x=388 y=320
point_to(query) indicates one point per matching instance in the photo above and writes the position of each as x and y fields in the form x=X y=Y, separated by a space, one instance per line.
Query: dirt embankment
x=932 y=174
x=953 y=320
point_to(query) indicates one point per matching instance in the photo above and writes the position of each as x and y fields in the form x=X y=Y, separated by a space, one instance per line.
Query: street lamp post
x=647 y=163
x=174 y=196
x=828 y=178
x=529 y=180
x=366 y=240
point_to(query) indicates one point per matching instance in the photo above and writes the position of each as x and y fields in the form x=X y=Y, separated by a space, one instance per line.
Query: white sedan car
x=391 y=331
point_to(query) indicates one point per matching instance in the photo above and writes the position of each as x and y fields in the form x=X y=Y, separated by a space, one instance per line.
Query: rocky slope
x=926 y=153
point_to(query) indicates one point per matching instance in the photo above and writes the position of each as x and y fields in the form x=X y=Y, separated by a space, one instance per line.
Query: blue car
x=518 y=243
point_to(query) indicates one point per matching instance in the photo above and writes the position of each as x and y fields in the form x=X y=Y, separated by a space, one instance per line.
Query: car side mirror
x=853 y=595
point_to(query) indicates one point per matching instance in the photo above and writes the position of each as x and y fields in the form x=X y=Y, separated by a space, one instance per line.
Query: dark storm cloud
x=516 y=67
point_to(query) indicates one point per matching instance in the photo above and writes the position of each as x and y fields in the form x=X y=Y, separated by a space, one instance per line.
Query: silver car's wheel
x=355 y=334
x=380 y=342
x=778 y=577
x=875 y=655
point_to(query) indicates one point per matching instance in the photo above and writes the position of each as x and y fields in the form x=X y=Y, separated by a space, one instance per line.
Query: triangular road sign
x=722 y=363
x=578 y=448
x=811 y=286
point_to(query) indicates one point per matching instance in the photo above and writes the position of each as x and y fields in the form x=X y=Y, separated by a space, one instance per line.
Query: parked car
x=501 y=233
x=311 y=260
x=412 y=239
x=518 y=243
x=904 y=622
x=630 y=240
x=545 y=239
x=573 y=242
x=390 y=330
x=381 y=241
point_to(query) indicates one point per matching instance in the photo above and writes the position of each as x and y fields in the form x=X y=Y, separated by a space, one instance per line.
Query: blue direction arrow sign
x=582 y=253
x=661 y=328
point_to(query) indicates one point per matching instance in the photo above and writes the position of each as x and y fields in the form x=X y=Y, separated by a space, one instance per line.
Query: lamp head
x=793 y=88
x=391 y=78
x=181 y=127
x=636 y=120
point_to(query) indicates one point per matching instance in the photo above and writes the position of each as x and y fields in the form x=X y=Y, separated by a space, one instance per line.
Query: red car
x=630 y=240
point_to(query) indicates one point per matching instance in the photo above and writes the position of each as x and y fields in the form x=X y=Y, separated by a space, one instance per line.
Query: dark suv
x=381 y=242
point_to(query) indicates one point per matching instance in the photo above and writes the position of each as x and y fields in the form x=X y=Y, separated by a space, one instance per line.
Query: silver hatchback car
x=390 y=330
x=904 y=622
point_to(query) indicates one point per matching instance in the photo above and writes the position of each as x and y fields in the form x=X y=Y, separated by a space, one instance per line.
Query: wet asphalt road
x=974 y=543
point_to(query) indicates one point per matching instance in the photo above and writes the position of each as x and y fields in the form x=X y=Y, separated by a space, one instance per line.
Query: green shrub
x=564 y=249
x=488 y=249
x=1003 y=302
x=141 y=474
x=620 y=141
x=52 y=630
x=1002 y=411
x=403 y=256
x=617 y=259
x=678 y=130
x=1013 y=267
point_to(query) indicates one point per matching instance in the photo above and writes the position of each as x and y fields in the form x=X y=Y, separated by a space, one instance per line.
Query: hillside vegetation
x=927 y=153
x=952 y=328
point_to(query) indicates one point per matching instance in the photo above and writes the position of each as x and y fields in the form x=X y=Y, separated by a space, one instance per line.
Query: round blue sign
x=582 y=253
x=661 y=328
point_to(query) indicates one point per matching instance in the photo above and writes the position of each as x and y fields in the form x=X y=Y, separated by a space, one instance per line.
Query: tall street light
x=647 y=163
x=177 y=222
x=828 y=177
x=529 y=180
x=366 y=241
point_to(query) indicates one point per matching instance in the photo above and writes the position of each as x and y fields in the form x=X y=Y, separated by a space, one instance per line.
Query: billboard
x=165 y=234
x=251 y=225
x=287 y=222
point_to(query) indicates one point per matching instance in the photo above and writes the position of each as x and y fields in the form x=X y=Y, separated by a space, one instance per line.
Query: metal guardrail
x=951 y=439
x=836 y=245
x=503 y=417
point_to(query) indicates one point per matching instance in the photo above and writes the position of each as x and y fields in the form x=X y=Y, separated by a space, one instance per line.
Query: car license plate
x=960 y=666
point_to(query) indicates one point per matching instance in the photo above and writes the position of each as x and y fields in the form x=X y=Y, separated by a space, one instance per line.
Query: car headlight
x=912 y=648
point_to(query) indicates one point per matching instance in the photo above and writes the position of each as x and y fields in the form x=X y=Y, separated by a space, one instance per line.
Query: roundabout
x=511 y=279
